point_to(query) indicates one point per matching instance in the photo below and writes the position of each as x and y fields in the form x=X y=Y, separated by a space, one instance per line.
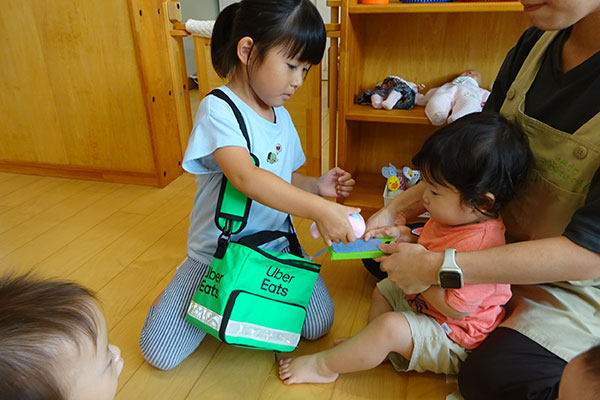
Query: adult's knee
x=373 y=267
x=507 y=366
x=477 y=378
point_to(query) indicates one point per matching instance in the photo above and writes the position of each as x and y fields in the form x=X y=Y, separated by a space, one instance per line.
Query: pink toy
x=356 y=220
x=452 y=100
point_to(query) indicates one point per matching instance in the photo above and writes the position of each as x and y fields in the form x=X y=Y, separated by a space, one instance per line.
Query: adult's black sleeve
x=584 y=227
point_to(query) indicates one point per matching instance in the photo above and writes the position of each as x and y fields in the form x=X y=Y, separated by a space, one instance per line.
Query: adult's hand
x=410 y=266
x=383 y=221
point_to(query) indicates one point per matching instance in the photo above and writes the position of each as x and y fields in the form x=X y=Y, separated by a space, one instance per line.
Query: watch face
x=450 y=279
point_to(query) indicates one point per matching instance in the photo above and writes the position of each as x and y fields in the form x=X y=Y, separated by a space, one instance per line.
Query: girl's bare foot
x=305 y=369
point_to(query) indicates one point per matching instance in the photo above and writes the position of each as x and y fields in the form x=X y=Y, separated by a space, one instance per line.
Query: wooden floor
x=125 y=241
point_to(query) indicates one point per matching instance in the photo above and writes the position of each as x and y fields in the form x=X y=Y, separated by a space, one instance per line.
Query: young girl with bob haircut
x=265 y=48
x=471 y=169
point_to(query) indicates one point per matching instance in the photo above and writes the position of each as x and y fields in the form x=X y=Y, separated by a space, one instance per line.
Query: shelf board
x=456 y=7
x=357 y=112
x=367 y=193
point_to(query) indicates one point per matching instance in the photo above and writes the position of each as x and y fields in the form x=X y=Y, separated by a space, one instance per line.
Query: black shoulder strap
x=238 y=115
x=233 y=206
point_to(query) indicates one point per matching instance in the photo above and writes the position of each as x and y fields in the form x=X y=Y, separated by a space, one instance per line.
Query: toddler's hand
x=335 y=183
x=400 y=233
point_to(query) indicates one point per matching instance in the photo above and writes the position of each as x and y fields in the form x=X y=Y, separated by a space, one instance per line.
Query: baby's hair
x=39 y=318
x=477 y=154
x=591 y=361
x=294 y=25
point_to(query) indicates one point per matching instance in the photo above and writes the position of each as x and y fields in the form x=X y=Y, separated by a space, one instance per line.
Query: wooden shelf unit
x=497 y=6
x=423 y=43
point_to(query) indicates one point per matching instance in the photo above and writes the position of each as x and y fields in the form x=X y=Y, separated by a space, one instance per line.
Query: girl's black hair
x=295 y=25
x=477 y=154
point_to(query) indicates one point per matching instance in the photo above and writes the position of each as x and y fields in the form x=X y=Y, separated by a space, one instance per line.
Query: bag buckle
x=222 y=244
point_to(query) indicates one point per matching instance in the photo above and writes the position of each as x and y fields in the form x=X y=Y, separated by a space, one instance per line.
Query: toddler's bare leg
x=379 y=305
x=389 y=332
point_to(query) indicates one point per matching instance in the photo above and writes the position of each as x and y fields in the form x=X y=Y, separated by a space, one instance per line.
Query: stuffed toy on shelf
x=392 y=93
x=455 y=99
x=398 y=180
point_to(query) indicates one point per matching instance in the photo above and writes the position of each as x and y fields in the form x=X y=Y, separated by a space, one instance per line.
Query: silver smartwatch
x=450 y=275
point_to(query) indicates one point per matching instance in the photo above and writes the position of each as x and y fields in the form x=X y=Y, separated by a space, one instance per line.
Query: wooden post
x=333 y=32
x=160 y=69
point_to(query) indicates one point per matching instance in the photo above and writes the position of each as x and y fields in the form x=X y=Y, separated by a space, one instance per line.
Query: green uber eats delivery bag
x=249 y=296
x=254 y=297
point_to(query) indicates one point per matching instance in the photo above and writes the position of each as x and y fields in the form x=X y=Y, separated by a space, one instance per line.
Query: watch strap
x=450 y=275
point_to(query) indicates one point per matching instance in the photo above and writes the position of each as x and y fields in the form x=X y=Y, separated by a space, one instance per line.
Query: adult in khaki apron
x=561 y=318
x=552 y=314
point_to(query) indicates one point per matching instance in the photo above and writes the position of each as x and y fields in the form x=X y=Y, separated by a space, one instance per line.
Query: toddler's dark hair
x=38 y=320
x=478 y=153
x=295 y=25
x=591 y=360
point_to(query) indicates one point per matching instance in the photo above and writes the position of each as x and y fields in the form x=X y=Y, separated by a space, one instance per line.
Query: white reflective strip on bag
x=205 y=315
x=243 y=329
x=261 y=334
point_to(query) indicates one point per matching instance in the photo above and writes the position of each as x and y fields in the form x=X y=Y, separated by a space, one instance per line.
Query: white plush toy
x=455 y=99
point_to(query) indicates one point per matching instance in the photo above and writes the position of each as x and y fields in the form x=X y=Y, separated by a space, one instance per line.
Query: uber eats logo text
x=209 y=287
x=274 y=280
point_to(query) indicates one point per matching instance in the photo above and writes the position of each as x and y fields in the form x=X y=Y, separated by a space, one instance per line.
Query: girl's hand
x=335 y=183
x=334 y=225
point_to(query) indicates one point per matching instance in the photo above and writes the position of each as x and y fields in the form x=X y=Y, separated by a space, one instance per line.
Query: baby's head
x=581 y=377
x=53 y=342
x=473 y=74
x=482 y=157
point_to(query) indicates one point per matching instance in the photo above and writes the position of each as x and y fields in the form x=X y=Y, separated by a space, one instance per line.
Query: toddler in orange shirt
x=471 y=168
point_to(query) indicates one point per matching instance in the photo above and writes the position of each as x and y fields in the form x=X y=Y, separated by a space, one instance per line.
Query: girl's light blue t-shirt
x=276 y=145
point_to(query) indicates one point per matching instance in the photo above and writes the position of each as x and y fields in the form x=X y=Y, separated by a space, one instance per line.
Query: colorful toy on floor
x=455 y=99
x=356 y=220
